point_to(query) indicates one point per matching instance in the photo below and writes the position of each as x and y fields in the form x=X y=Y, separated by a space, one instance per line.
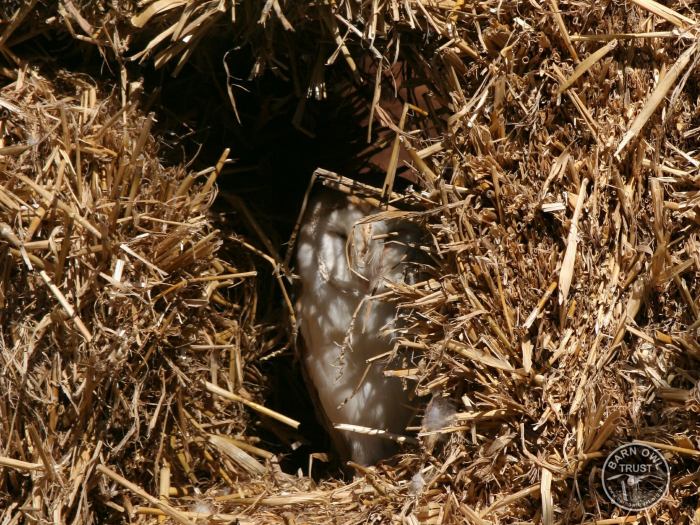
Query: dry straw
x=546 y=163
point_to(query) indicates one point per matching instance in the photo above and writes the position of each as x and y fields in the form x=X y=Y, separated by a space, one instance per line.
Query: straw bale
x=115 y=306
x=556 y=176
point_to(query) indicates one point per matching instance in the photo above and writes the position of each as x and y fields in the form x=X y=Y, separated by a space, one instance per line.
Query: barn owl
x=343 y=259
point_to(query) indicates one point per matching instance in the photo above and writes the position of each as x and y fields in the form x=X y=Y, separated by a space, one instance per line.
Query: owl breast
x=342 y=264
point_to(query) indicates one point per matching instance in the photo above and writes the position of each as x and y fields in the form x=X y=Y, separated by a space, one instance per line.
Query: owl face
x=344 y=258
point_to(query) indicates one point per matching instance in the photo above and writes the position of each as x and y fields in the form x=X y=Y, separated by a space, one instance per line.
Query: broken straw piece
x=656 y=97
